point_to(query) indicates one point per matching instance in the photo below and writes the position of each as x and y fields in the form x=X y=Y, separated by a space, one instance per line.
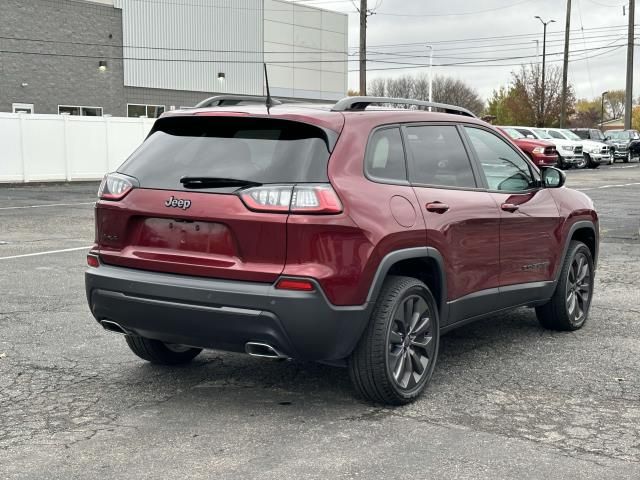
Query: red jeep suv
x=345 y=234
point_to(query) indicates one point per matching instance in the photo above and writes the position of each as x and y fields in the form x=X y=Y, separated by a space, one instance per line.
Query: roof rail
x=361 y=103
x=230 y=100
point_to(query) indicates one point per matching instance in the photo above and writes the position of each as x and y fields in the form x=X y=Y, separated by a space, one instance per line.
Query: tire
x=582 y=163
x=378 y=366
x=561 y=163
x=161 y=353
x=627 y=159
x=590 y=163
x=575 y=287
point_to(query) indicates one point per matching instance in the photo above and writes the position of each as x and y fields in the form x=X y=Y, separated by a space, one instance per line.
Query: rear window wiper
x=213 y=182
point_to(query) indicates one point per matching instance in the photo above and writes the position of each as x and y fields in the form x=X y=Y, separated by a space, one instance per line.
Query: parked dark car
x=625 y=144
x=589 y=134
x=340 y=234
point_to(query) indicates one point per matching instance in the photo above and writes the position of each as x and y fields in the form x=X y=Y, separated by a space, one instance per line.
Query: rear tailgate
x=164 y=225
x=216 y=236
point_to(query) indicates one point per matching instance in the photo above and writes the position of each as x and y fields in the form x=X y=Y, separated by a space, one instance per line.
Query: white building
x=220 y=45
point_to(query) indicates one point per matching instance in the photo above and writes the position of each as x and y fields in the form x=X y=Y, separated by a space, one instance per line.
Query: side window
x=502 y=166
x=385 y=155
x=526 y=133
x=439 y=157
x=555 y=134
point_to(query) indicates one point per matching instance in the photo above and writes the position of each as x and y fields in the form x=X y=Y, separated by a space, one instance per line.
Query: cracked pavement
x=507 y=399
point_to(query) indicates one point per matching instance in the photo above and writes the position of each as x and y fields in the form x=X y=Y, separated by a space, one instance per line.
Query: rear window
x=259 y=150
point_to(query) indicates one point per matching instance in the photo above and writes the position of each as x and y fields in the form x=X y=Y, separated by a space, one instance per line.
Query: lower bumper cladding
x=224 y=314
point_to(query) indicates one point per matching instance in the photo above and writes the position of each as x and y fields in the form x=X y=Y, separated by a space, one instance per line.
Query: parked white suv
x=595 y=153
x=569 y=151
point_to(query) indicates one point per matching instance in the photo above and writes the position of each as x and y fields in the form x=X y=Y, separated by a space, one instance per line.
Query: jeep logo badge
x=173 y=202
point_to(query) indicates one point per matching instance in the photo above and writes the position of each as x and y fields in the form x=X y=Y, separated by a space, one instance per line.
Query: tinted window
x=503 y=167
x=541 y=133
x=385 y=155
x=555 y=134
x=512 y=132
x=255 y=149
x=584 y=134
x=439 y=157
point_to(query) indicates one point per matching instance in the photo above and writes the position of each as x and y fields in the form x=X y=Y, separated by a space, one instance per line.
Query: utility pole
x=628 y=100
x=565 y=68
x=363 y=47
x=544 y=58
x=602 y=109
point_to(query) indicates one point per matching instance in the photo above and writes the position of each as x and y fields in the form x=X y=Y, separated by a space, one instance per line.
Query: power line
x=484 y=63
x=285 y=62
x=493 y=38
x=177 y=49
x=476 y=12
x=488 y=48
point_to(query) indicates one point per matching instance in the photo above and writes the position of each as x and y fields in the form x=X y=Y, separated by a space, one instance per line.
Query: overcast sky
x=594 y=70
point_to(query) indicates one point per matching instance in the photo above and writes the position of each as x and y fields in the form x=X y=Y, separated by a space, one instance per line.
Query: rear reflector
x=92 y=261
x=303 y=198
x=294 y=284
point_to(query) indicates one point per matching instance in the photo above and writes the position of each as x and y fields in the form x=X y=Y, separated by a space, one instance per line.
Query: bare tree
x=421 y=87
x=614 y=104
x=445 y=90
x=526 y=87
x=456 y=92
x=401 y=87
x=377 y=87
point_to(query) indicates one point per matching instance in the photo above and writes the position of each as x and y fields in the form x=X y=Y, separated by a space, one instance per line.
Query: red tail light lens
x=305 y=198
x=295 y=284
x=115 y=186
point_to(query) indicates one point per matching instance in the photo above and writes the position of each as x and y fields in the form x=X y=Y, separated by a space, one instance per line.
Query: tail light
x=304 y=198
x=115 y=186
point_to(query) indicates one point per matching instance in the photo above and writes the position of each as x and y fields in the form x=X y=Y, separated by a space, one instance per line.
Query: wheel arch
x=424 y=263
x=585 y=232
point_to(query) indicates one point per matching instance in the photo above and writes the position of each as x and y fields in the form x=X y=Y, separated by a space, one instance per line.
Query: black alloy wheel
x=568 y=308
x=579 y=286
x=410 y=342
x=395 y=358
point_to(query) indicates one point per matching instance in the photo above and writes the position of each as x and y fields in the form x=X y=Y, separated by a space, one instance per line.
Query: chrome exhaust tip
x=113 y=327
x=263 y=350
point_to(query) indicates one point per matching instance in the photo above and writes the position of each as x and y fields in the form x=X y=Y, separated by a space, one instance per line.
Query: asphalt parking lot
x=507 y=400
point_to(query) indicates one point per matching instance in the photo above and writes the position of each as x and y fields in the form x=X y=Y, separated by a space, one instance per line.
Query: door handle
x=437 y=207
x=509 y=207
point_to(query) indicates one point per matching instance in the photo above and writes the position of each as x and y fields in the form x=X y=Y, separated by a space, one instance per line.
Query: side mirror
x=607 y=138
x=553 y=177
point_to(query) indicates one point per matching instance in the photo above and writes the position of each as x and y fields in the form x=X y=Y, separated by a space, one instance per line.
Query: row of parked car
x=578 y=147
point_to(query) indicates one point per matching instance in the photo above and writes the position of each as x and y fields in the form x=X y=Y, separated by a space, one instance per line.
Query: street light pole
x=544 y=54
x=430 y=47
x=602 y=110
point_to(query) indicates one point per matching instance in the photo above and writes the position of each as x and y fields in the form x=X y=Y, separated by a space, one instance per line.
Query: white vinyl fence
x=39 y=148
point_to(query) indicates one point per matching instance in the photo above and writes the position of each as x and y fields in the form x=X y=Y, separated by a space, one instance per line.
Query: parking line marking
x=46 y=253
x=47 y=205
x=608 y=186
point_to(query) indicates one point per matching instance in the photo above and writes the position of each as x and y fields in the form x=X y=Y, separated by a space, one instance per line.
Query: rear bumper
x=224 y=314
